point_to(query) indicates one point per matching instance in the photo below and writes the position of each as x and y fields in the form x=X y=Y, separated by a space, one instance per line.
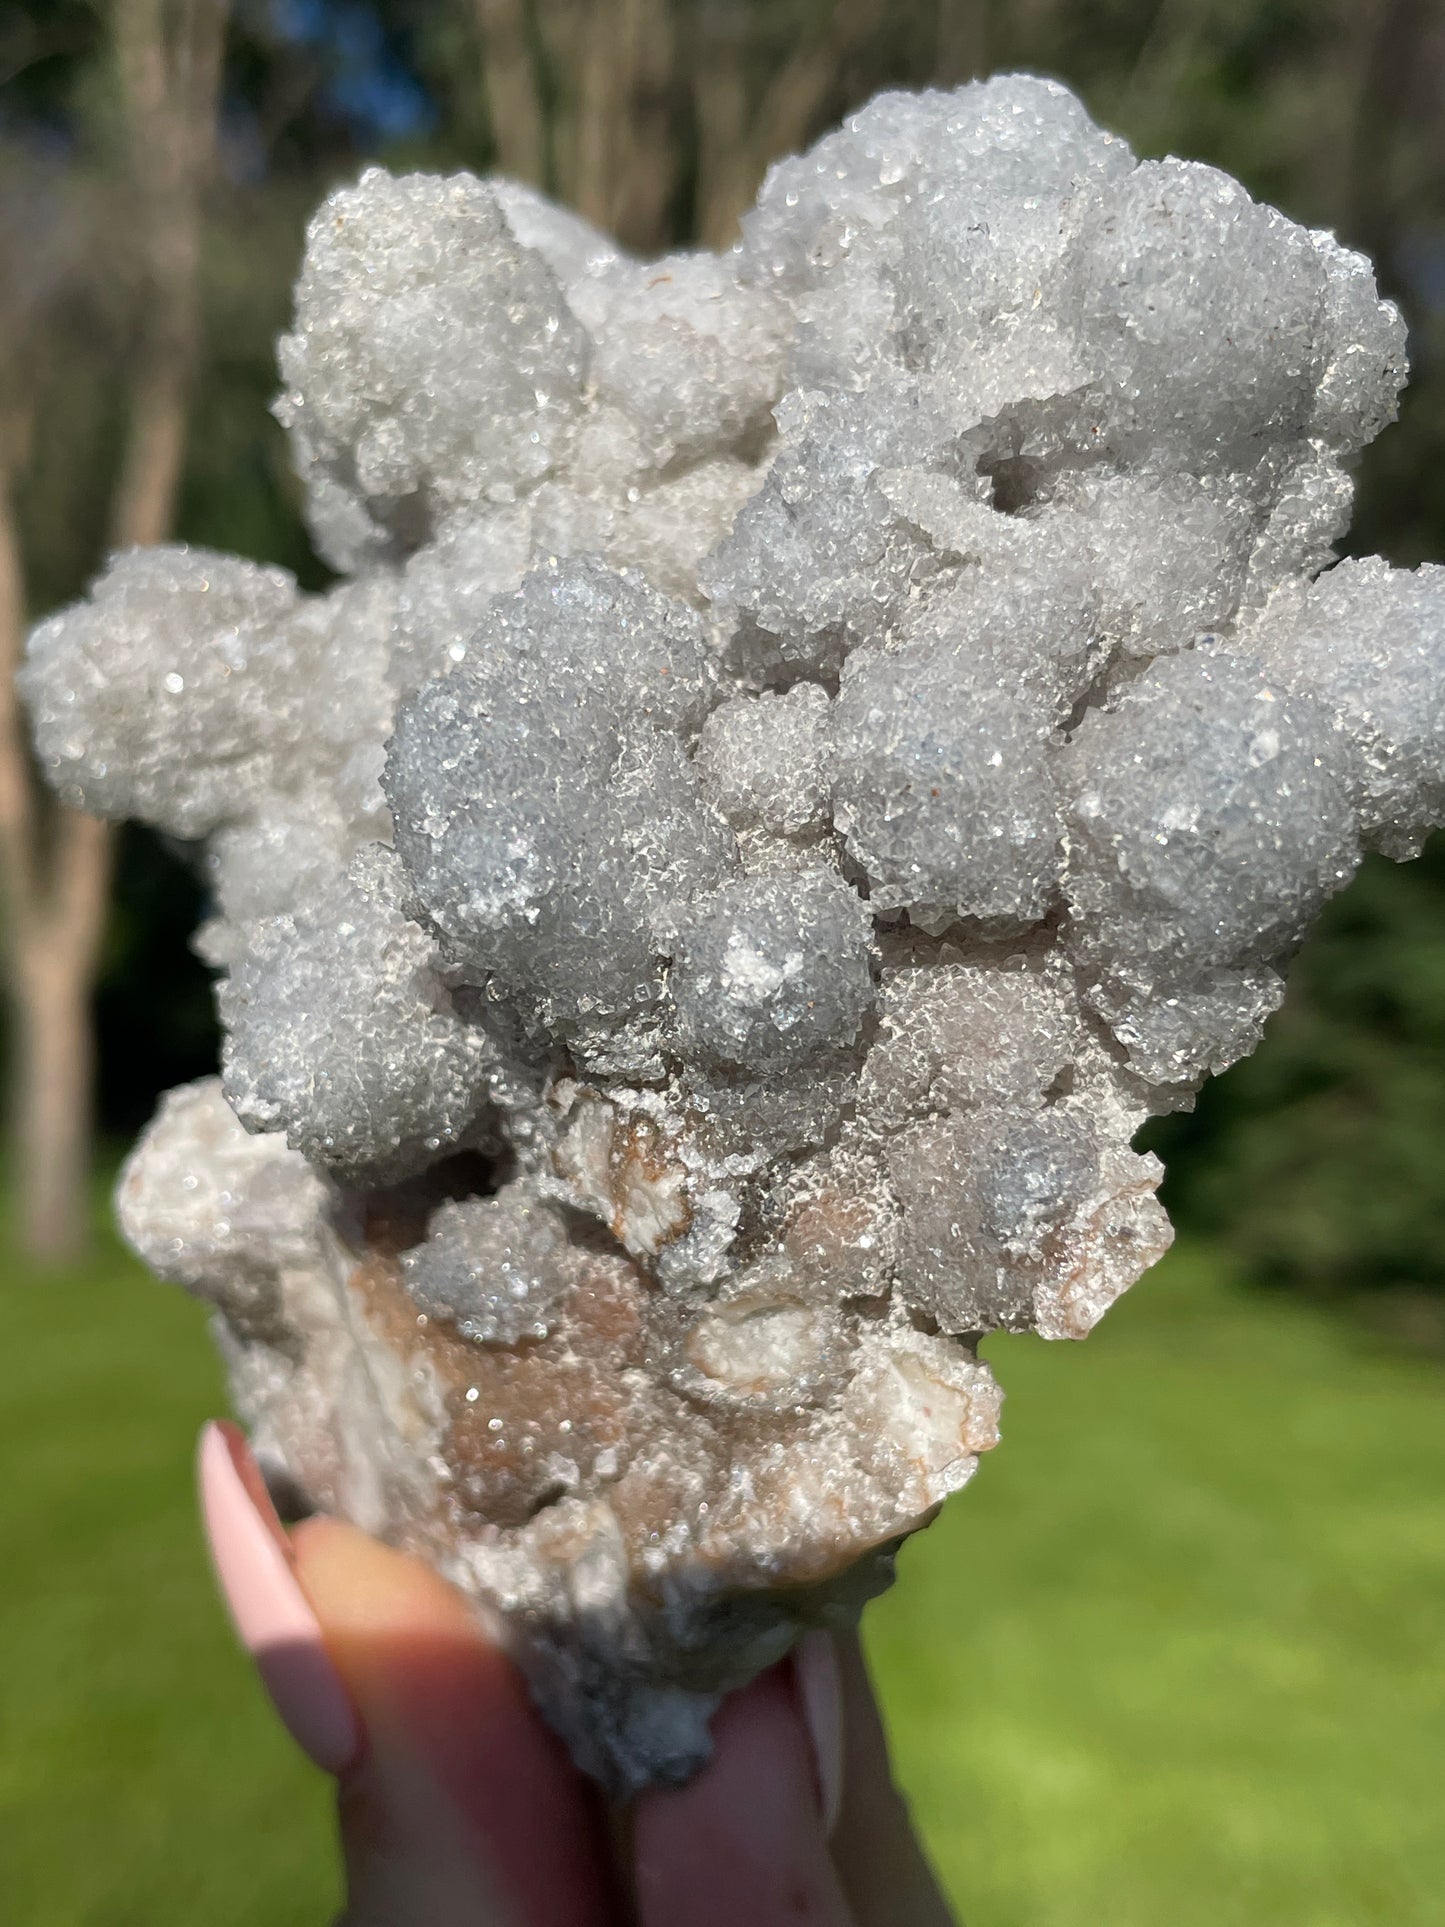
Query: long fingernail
x=268 y=1608
x=820 y=1690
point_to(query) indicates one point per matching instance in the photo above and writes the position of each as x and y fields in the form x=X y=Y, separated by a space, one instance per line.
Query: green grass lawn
x=1178 y=1657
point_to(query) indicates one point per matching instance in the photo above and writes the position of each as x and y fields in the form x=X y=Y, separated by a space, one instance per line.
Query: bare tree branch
x=644 y=161
x=17 y=792
x=792 y=104
x=598 y=92
x=514 y=99
x=735 y=148
x=55 y=863
x=720 y=107
x=1173 y=37
x=171 y=83
x=54 y=883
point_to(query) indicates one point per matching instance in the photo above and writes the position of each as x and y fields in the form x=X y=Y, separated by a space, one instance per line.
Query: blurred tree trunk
x=168 y=55
x=55 y=863
x=616 y=155
x=600 y=73
x=646 y=159
x=513 y=90
x=614 y=80
x=743 y=128
x=727 y=177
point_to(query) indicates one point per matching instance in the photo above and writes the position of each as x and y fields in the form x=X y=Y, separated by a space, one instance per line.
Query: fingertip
x=226 y=1467
x=361 y=1588
x=460 y=1762
x=272 y=1616
x=751 y=1818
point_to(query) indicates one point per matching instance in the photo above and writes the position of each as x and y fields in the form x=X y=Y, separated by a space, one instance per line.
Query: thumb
x=462 y=1805
x=458 y=1807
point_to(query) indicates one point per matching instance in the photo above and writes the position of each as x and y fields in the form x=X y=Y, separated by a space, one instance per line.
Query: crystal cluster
x=808 y=750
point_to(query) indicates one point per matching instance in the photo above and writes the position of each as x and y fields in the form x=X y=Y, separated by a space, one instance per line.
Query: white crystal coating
x=1368 y=643
x=1209 y=820
x=761 y=760
x=769 y=973
x=943 y=788
x=213 y=701
x=341 y=1034
x=491 y=1266
x=434 y=361
x=220 y=1211
x=817 y=744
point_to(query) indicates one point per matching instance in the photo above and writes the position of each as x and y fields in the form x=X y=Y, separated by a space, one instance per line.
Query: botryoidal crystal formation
x=809 y=749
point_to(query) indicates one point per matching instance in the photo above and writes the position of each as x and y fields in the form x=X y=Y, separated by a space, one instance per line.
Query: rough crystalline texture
x=810 y=749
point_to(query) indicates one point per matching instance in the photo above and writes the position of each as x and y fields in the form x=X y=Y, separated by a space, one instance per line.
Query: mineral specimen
x=812 y=747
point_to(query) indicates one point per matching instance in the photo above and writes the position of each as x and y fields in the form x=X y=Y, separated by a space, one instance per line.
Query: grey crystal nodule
x=811 y=748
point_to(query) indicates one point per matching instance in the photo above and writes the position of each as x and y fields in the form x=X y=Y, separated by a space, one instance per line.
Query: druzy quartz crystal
x=808 y=750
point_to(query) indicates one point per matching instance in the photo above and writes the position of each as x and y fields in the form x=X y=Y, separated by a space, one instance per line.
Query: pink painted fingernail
x=820 y=1689
x=268 y=1608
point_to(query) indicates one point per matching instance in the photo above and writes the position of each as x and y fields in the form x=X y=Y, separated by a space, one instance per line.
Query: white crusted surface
x=818 y=744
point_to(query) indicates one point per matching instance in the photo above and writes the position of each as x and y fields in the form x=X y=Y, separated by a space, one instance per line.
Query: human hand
x=458 y=1805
